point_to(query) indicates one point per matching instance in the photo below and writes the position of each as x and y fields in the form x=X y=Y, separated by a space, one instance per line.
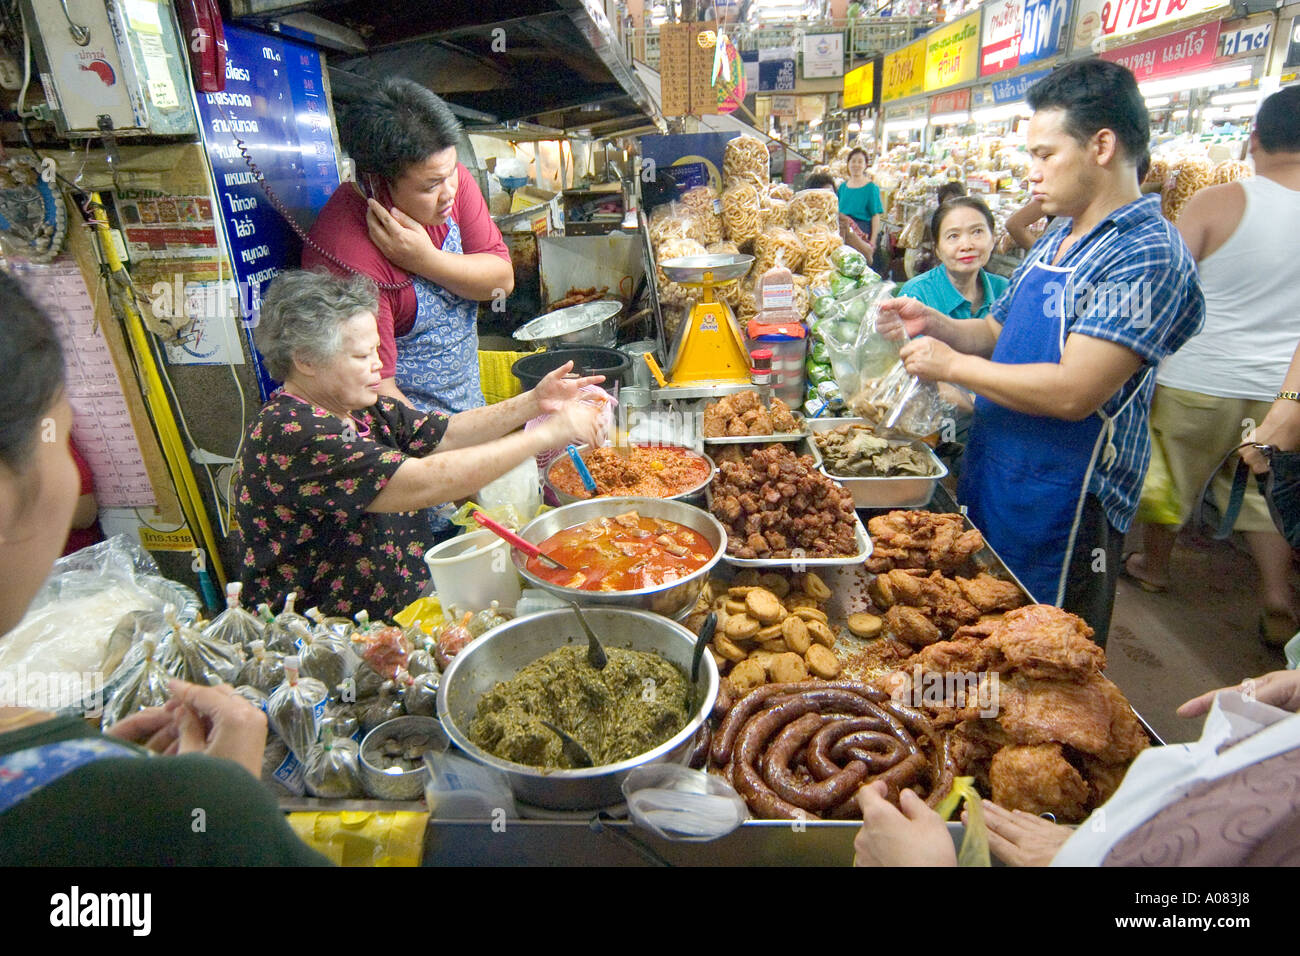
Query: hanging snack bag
x=295 y=708
x=235 y=625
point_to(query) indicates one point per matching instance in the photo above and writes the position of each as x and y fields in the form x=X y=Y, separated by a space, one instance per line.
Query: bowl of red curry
x=651 y=554
x=635 y=471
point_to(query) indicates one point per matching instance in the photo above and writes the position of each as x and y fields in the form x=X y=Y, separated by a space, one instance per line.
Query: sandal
x=1149 y=586
x=1276 y=627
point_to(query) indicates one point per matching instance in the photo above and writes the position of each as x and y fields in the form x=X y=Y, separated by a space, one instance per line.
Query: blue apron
x=1025 y=477
x=437 y=360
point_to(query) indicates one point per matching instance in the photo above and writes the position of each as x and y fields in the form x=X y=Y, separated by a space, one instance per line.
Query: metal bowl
x=502 y=652
x=588 y=323
x=693 y=495
x=408 y=785
x=693 y=270
x=671 y=600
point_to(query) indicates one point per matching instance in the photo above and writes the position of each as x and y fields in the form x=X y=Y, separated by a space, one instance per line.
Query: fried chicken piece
x=1038 y=779
x=972 y=748
x=1036 y=711
x=715 y=422
x=782 y=420
x=1127 y=738
x=742 y=402
x=909 y=625
x=736 y=428
x=1103 y=779
x=761 y=424
x=921 y=539
x=1044 y=641
x=981 y=629
x=965 y=655
x=989 y=594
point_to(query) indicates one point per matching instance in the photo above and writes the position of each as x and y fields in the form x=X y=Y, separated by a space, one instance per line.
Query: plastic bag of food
x=264 y=669
x=254 y=696
x=848 y=261
x=1188 y=177
x=143 y=683
x=386 y=706
x=234 y=625
x=825 y=305
x=670 y=292
x=842 y=285
x=745 y=158
x=672 y=221
x=678 y=803
x=280 y=634
x=333 y=767
x=782 y=243
x=421 y=697
x=296 y=707
x=338 y=626
x=282 y=772
x=187 y=654
x=705 y=206
x=779 y=191
x=485 y=620
x=773 y=214
x=740 y=212
x=384 y=649
x=913 y=234
x=819 y=247
x=811 y=207
x=324 y=655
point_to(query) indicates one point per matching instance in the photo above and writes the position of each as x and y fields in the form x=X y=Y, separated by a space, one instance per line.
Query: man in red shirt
x=417 y=224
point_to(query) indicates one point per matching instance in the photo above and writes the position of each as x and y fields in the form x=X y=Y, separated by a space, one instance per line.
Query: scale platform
x=712 y=269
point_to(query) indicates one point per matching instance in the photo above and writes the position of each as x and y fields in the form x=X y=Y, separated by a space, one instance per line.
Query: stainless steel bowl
x=501 y=653
x=693 y=495
x=588 y=323
x=671 y=600
x=408 y=785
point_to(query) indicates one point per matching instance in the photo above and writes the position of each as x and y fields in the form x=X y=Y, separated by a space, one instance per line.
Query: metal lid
x=569 y=320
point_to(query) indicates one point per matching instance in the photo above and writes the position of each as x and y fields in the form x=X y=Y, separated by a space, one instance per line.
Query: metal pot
x=671 y=600
x=588 y=323
x=693 y=495
x=408 y=785
x=504 y=651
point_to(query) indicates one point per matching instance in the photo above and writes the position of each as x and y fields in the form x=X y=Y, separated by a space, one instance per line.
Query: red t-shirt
x=341 y=230
x=79 y=538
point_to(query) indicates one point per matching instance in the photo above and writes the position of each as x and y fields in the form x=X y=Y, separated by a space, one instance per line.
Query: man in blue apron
x=1062 y=366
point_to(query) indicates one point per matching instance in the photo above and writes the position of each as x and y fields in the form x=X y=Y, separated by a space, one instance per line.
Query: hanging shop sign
x=1013 y=90
x=776 y=70
x=692 y=159
x=860 y=86
x=784 y=105
x=823 y=55
x=1181 y=52
x=904 y=72
x=1000 y=36
x=957 y=101
x=1103 y=20
x=1246 y=40
x=1041 y=29
x=952 y=53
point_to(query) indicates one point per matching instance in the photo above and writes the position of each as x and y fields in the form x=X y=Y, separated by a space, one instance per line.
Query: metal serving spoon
x=574 y=752
x=595 y=653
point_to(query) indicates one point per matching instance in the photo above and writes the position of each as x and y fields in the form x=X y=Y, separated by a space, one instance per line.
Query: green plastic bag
x=1159 y=501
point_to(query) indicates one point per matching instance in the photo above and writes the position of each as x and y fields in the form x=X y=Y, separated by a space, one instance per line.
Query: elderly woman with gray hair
x=333 y=475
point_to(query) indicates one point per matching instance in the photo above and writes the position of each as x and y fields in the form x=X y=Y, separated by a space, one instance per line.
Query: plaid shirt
x=1133 y=283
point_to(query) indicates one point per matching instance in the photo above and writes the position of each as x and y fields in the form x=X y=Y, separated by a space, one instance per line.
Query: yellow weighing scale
x=708 y=354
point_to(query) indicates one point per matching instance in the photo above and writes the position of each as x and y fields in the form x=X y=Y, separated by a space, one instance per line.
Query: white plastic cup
x=471 y=571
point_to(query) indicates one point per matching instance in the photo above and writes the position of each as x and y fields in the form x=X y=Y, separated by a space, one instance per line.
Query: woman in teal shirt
x=860 y=198
x=960 y=288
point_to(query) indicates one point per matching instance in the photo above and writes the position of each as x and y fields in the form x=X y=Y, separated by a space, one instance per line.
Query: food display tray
x=798 y=564
x=903 y=491
x=763 y=439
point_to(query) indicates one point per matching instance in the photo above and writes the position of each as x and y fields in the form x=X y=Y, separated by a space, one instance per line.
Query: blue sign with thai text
x=1013 y=90
x=1041 y=29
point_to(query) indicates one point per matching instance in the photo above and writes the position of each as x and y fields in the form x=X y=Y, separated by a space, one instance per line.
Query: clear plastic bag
x=421 y=698
x=295 y=708
x=458 y=788
x=740 y=213
x=333 y=768
x=280 y=635
x=143 y=683
x=188 y=655
x=235 y=625
x=325 y=655
x=681 y=804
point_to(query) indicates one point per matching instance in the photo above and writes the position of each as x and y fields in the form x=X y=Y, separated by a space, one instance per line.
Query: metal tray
x=903 y=491
x=764 y=439
x=860 y=534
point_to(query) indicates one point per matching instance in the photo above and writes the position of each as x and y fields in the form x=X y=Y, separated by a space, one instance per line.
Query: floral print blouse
x=305 y=480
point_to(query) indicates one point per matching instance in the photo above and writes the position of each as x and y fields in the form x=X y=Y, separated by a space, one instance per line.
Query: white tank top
x=1252 y=303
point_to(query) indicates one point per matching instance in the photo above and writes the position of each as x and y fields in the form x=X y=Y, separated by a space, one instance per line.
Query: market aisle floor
x=1198 y=635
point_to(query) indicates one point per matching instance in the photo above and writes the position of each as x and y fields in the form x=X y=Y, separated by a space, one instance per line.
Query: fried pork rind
x=1038 y=779
x=991 y=595
x=921 y=539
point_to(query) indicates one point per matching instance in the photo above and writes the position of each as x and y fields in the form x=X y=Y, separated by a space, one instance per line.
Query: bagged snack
x=295 y=708
x=339 y=626
x=848 y=261
x=325 y=656
x=282 y=772
x=673 y=221
x=386 y=706
x=1187 y=178
x=334 y=767
x=780 y=191
x=740 y=209
x=705 y=206
x=485 y=620
x=279 y=637
x=812 y=207
x=234 y=625
x=187 y=654
x=145 y=684
x=384 y=649
x=773 y=214
x=746 y=158
x=819 y=245
x=670 y=293
x=452 y=639
x=769 y=245
x=253 y=696
x=421 y=697
x=264 y=670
